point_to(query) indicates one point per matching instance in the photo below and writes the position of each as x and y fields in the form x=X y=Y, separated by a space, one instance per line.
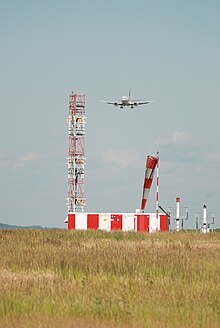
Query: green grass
x=58 y=278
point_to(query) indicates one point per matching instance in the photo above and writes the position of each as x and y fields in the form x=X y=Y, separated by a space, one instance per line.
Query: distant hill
x=9 y=226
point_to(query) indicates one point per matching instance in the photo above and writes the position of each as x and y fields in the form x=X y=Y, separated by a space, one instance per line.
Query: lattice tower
x=76 y=154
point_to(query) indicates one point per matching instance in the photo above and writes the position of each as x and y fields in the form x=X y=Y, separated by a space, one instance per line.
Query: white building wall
x=81 y=221
x=104 y=221
x=154 y=223
x=128 y=222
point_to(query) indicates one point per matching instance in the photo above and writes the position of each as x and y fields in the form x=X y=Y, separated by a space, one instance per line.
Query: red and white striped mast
x=157 y=186
x=76 y=154
x=151 y=164
x=177 y=214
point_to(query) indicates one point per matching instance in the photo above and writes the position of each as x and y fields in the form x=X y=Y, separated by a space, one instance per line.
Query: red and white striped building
x=143 y=222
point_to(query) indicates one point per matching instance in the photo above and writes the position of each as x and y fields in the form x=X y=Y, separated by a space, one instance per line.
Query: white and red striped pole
x=157 y=187
x=204 y=225
x=177 y=214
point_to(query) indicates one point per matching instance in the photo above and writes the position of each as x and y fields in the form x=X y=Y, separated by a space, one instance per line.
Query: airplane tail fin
x=129 y=95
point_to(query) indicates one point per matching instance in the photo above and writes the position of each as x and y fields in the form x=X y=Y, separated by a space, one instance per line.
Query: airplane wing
x=144 y=102
x=109 y=102
x=115 y=103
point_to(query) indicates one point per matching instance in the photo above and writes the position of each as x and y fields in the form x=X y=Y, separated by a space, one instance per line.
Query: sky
x=168 y=51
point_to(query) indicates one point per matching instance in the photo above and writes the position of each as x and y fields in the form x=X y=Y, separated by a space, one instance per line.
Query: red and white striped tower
x=157 y=186
x=76 y=155
x=151 y=164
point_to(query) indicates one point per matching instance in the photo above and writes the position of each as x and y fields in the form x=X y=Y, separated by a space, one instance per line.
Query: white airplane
x=126 y=101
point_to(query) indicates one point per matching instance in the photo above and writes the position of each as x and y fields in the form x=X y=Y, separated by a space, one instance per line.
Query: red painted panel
x=143 y=222
x=148 y=183
x=116 y=221
x=163 y=222
x=71 y=221
x=151 y=162
x=92 y=221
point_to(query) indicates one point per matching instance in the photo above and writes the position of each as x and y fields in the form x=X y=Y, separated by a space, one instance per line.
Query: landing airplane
x=126 y=101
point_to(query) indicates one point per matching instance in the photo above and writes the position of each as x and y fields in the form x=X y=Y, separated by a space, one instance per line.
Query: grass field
x=59 y=278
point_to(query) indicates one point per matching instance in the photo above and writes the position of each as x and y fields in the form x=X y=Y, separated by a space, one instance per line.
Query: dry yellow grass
x=58 y=278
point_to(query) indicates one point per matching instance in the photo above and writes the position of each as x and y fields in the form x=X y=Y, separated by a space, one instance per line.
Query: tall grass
x=58 y=278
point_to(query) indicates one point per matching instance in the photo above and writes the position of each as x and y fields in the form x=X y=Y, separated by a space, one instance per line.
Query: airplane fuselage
x=125 y=101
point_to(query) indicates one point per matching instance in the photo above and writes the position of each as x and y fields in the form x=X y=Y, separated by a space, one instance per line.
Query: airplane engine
x=135 y=104
x=116 y=104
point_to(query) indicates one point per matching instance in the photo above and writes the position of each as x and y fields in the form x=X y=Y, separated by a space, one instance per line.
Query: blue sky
x=163 y=50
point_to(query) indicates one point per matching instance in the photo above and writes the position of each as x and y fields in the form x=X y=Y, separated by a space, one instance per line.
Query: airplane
x=126 y=101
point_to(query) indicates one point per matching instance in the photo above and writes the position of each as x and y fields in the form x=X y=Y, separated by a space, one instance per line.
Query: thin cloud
x=215 y=157
x=3 y=163
x=177 y=138
x=181 y=137
x=121 y=158
x=23 y=160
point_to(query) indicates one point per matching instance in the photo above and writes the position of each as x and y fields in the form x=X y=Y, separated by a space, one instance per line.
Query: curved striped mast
x=151 y=164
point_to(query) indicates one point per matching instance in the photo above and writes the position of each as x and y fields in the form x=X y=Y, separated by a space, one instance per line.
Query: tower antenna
x=76 y=154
